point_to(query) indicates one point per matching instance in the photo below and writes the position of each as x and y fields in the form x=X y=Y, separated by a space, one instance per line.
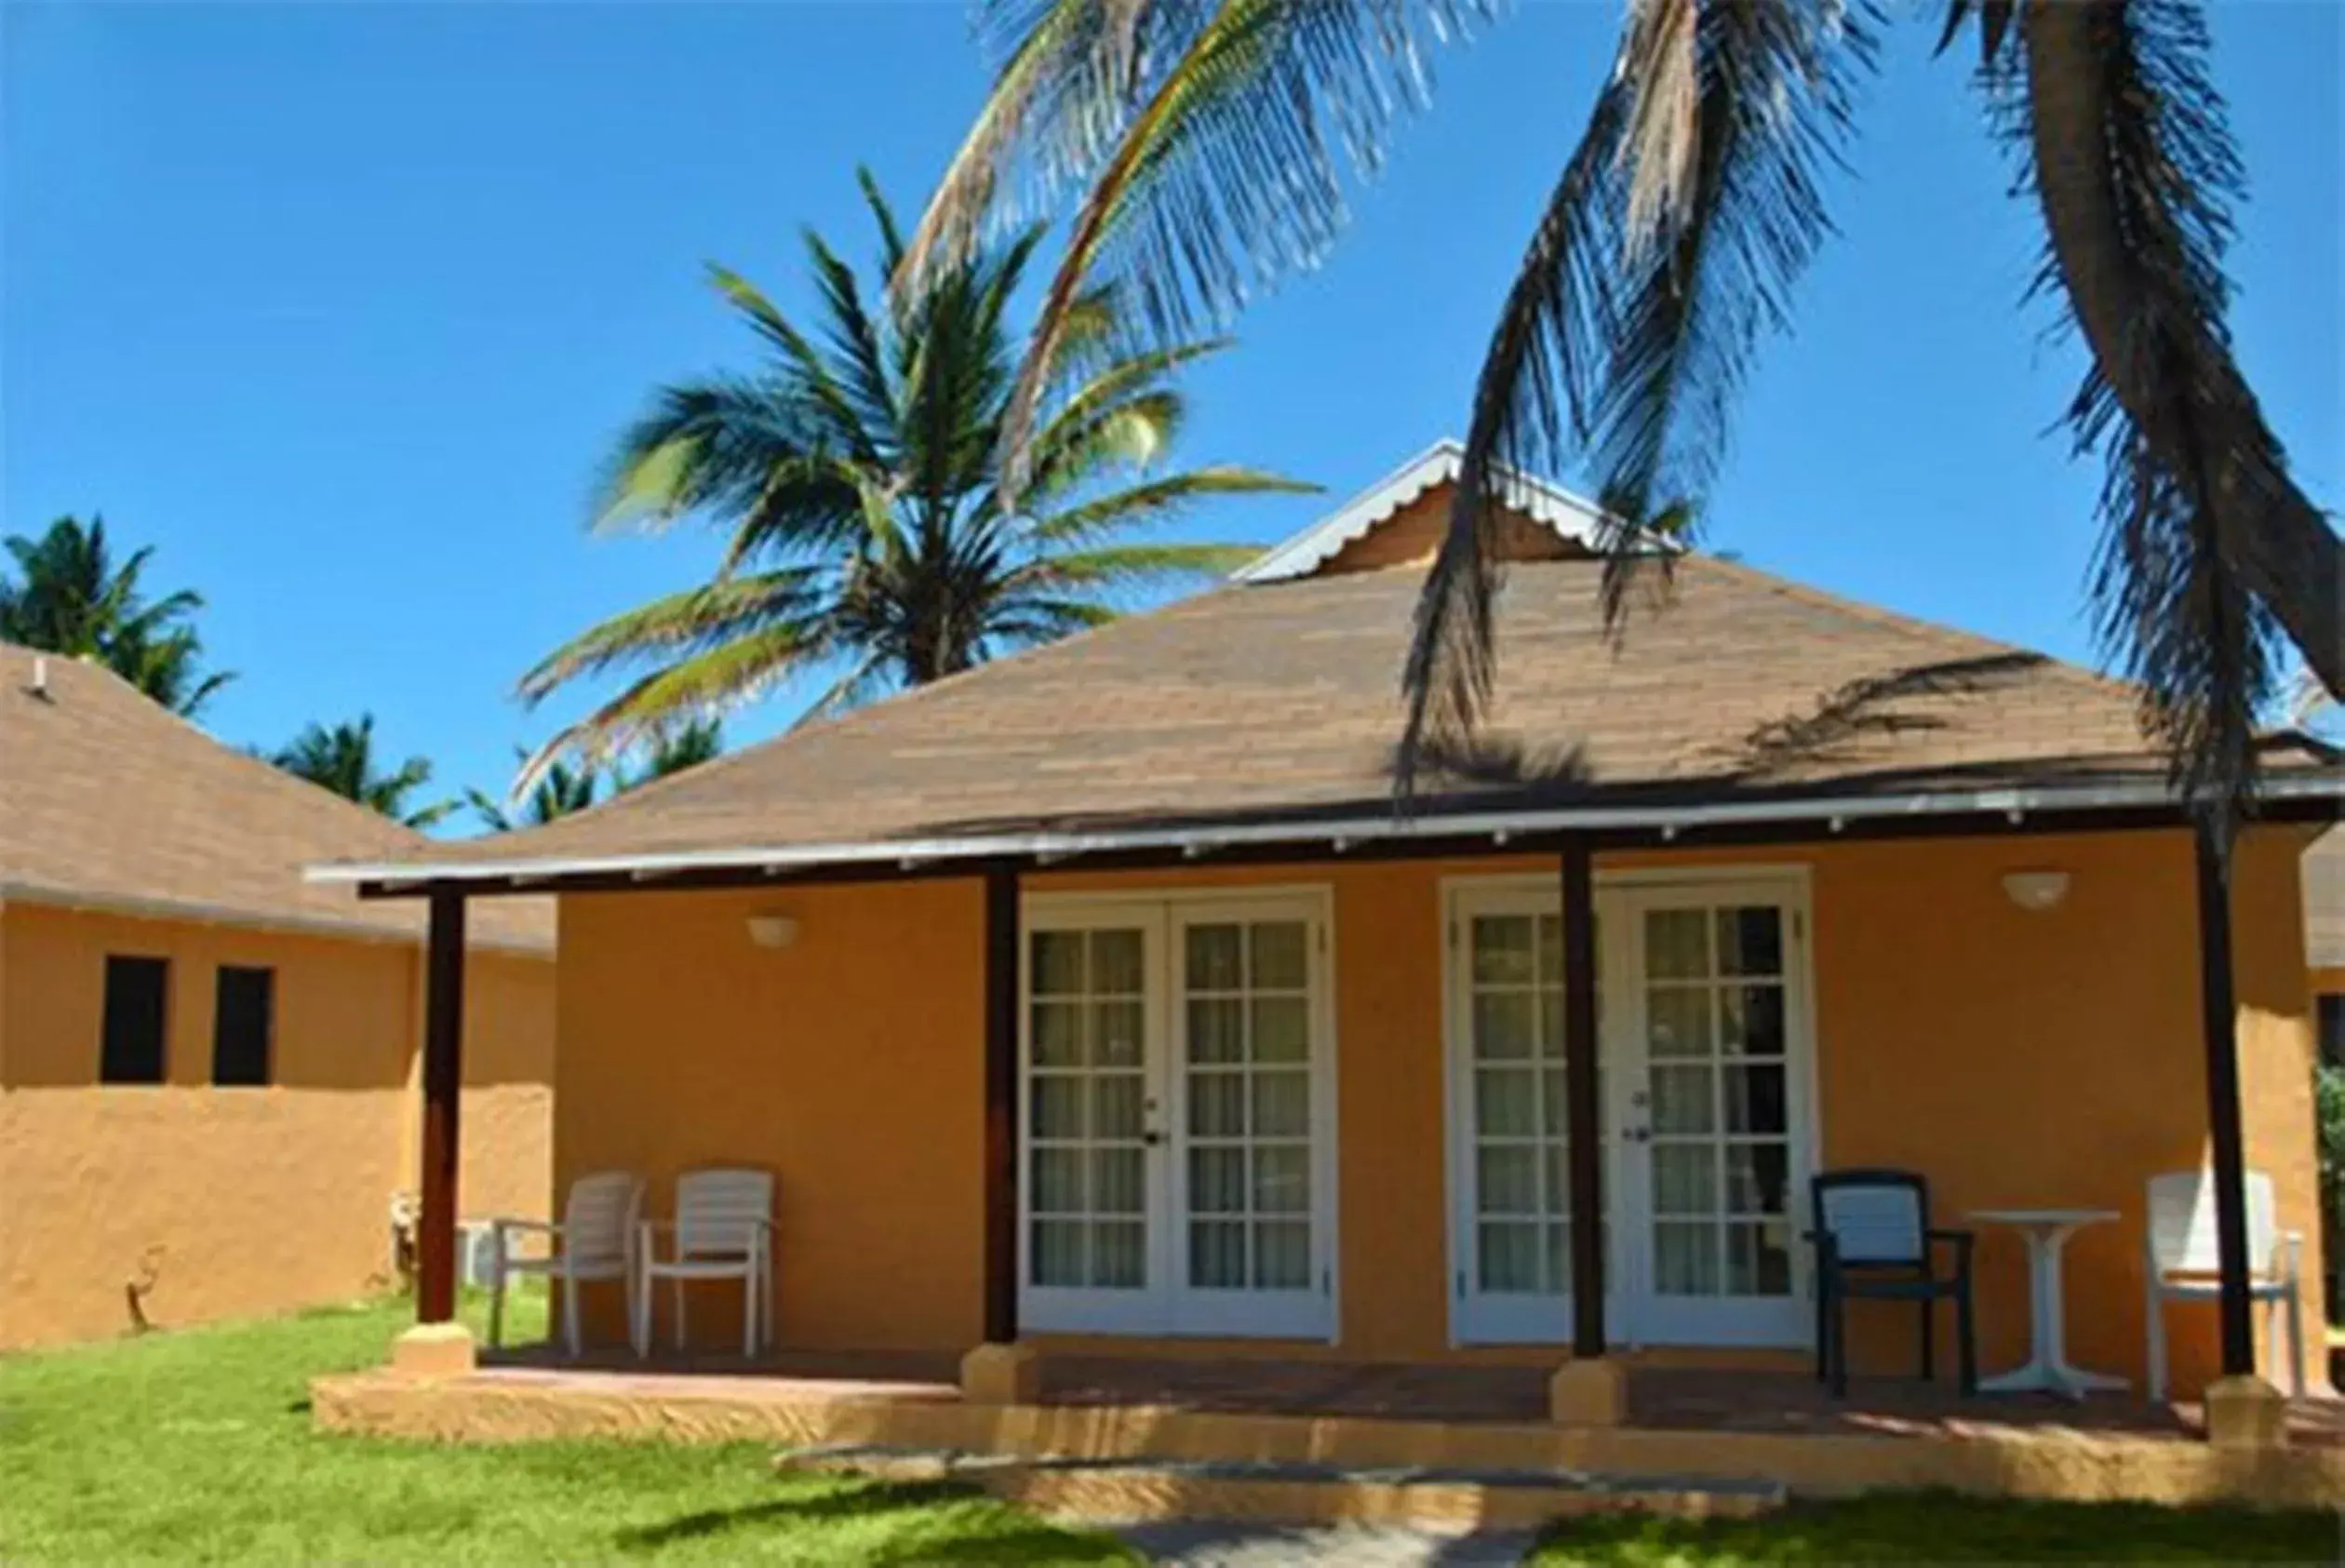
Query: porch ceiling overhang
x=2312 y=795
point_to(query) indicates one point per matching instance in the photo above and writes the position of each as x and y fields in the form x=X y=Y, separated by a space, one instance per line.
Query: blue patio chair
x=1875 y=1241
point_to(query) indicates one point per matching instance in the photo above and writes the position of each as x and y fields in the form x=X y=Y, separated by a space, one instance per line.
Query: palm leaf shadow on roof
x=1867 y=708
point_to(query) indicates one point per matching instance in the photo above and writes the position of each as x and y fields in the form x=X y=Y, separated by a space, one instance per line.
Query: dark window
x=242 y=1011
x=2333 y=1030
x=136 y=993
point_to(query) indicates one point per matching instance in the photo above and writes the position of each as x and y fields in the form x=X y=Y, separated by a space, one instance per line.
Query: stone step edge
x=1129 y=1490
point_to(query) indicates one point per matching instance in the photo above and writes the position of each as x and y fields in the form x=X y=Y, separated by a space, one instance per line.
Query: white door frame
x=1167 y=1305
x=1631 y=1314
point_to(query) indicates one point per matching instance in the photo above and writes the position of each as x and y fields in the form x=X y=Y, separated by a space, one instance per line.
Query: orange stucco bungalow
x=209 y=1092
x=1121 y=1015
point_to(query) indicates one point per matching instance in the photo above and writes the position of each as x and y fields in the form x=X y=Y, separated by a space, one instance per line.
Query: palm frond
x=1121 y=567
x=1227 y=176
x=2209 y=550
x=1062 y=93
x=701 y=618
x=1669 y=244
x=1158 y=500
x=708 y=681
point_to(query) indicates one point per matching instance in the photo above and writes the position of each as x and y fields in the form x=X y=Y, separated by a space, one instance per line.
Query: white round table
x=2047 y=1367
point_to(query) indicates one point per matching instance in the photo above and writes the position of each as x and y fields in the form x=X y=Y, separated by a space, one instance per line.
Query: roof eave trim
x=1304 y=553
x=901 y=853
x=133 y=908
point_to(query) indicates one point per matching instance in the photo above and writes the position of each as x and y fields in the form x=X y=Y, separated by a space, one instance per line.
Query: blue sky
x=338 y=304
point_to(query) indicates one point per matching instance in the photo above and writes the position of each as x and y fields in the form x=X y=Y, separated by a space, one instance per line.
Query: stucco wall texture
x=2019 y=1059
x=204 y=1202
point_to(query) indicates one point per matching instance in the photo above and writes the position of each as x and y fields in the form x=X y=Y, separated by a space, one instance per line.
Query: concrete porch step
x=1136 y=1490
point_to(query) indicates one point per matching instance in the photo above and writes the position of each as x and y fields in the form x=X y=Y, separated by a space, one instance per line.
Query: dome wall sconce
x=2036 y=890
x=774 y=932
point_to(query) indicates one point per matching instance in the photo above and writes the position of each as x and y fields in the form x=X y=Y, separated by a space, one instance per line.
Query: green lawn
x=1935 y=1527
x=195 y=1447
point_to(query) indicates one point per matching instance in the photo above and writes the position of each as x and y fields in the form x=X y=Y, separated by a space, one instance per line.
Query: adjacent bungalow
x=1096 y=1004
x=208 y=1101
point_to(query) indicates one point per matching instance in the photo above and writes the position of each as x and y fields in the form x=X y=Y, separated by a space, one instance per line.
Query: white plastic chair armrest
x=506 y=1226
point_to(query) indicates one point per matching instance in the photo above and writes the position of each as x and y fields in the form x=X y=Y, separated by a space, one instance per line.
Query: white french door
x=1703 y=1068
x=1178 y=1139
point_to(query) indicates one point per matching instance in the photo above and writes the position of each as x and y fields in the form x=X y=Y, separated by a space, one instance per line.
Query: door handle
x=1639 y=1134
x=1152 y=1137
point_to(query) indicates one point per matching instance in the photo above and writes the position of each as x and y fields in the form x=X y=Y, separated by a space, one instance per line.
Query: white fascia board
x=906 y=854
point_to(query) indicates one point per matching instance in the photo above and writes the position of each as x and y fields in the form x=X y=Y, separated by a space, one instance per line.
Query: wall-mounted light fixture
x=773 y=930
x=2036 y=890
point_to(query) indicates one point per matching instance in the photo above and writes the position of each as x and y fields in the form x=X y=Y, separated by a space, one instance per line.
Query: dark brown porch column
x=1001 y=1105
x=2220 y=1014
x=1582 y=1120
x=443 y=1097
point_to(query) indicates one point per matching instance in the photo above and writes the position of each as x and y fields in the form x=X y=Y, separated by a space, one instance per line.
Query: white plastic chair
x=723 y=1231
x=2184 y=1264
x=594 y=1240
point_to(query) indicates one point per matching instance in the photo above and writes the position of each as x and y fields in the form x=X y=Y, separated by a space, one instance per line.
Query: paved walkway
x=1207 y=1544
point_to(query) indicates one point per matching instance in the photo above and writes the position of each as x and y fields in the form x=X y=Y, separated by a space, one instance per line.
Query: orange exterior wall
x=226 y=1202
x=2019 y=1059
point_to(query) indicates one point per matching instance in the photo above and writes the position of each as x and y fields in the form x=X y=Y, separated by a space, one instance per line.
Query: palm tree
x=70 y=598
x=559 y=790
x=674 y=748
x=1200 y=135
x=870 y=535
x=342 y=759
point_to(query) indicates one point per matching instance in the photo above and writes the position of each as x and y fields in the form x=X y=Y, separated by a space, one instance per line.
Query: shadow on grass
x=991 y=1535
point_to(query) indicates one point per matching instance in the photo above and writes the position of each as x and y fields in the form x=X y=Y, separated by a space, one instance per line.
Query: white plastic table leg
x=2047 y=1368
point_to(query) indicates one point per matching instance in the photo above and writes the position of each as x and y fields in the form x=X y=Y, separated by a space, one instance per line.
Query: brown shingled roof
x=108 y=800
x=1280 y=700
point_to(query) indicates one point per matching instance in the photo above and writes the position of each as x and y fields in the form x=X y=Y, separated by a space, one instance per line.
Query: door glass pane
x=1117 y=1032
x=1058 y=963
x=1685 y=1257
x=1119 y=1184
x=1282 y=1104
x=1503 y=951
x=1217 y=1181
x=1283 y=1256
x=1750 y=1021
x=1217 y=1104
x=1677 y=945
x=1058 y=1253
x=1058 y=1034
x=1280 y=962
x=1248 y=1083
x=1216 y=959
x=1678 y=1021
x=1116 y=963
x=1281 y=1029
x=1216 y=1029
x=1116 y=1105
x=1119 y=1253
x=1505 y=1026
x=1087 y=1170
x=1751 y=940
x=1511 y=1256
x=1282 y=1180
x=1719 y=1160
x=1217 y=1255
x=1522 y=1196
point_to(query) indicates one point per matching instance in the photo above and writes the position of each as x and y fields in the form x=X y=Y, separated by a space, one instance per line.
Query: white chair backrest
x=2182 y=1223
x=598 y=1220
x=1874 y=1224
x=718 y=1211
